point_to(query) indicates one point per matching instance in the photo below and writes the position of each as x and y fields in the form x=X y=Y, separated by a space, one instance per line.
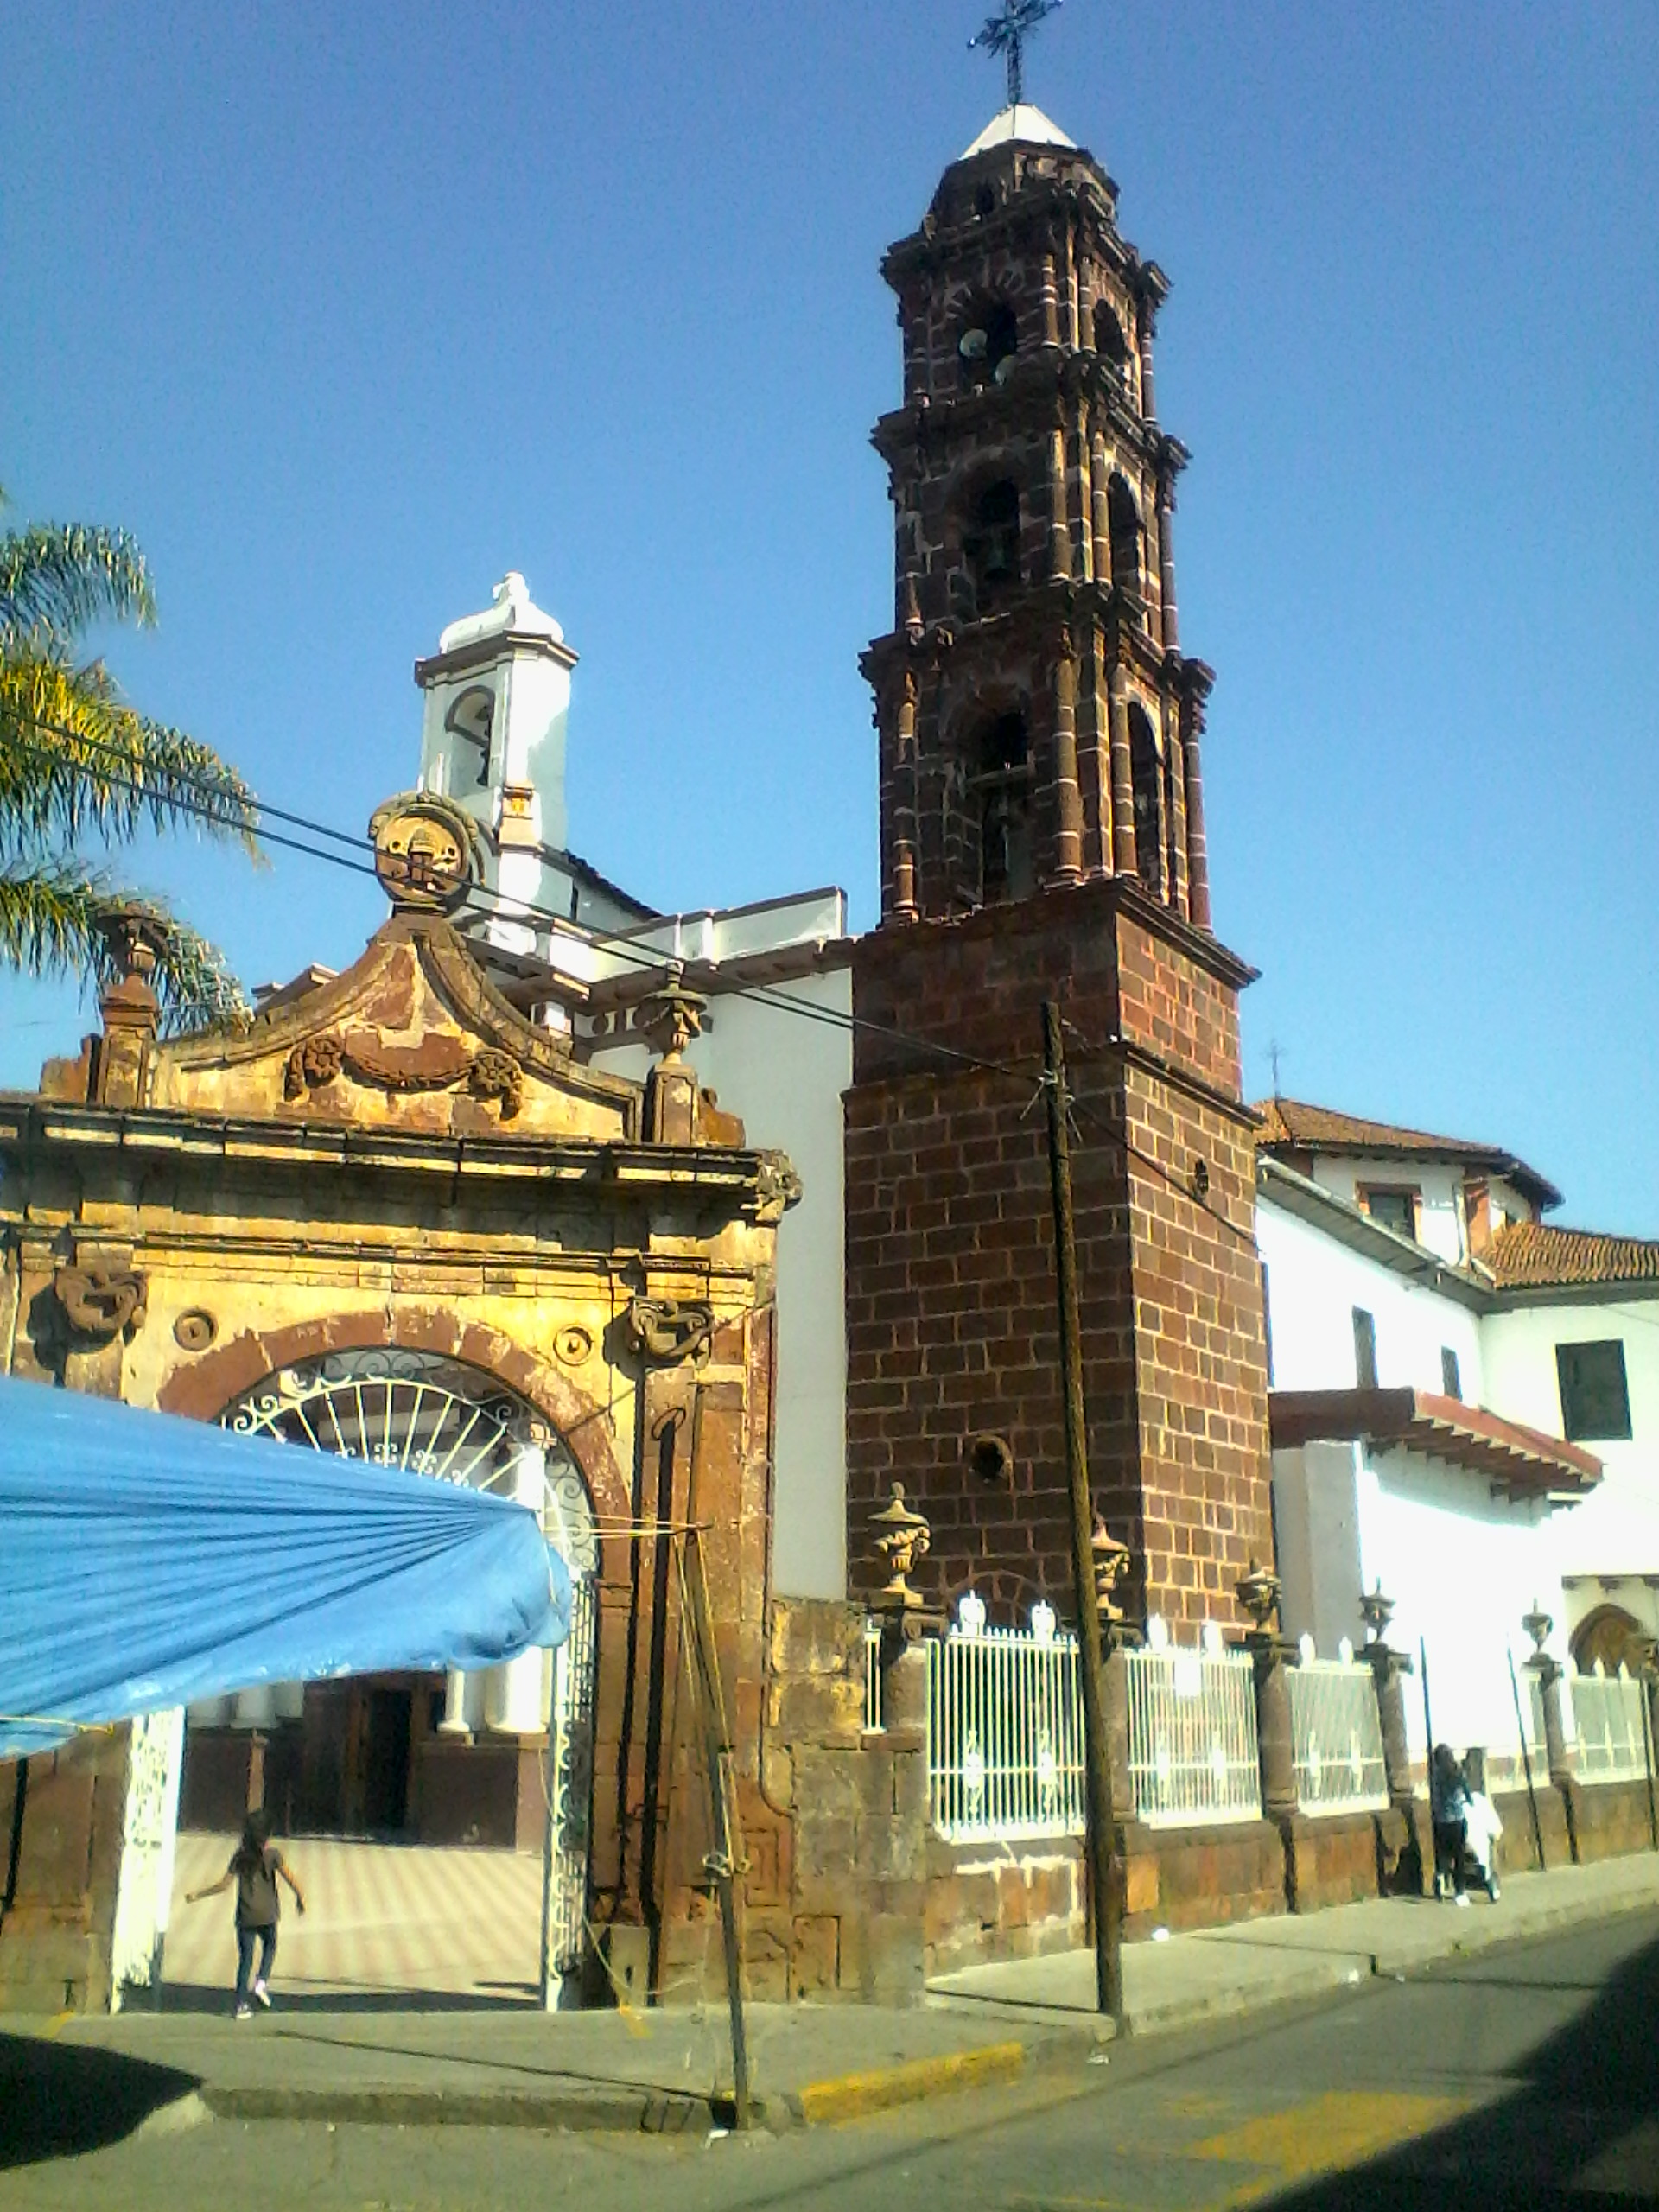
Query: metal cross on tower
x=1006 y=35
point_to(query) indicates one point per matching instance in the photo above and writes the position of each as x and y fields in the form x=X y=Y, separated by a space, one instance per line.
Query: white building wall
x=1313 y=1285
x=1614 y=1531
x=1316 y=1521
x=784 y=1072
x=1440 y=1214
x=1463 y=1567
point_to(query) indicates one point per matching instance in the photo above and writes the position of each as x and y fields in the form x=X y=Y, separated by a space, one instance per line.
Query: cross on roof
x=1006 y=35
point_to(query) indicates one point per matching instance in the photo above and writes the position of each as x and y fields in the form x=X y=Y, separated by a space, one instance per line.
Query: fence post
x=1550 y=1675
x=1258 y=1593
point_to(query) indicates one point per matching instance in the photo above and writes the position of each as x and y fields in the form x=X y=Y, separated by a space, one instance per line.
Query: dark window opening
x=1124 y=525
x=987 y=346
x=984 y=201
x=1109 y=341
x=1365 y=1349
x=1393 y=1204
x=1003 y=788
x=1451 y=1375
x=1595 y=1394
x=1143 y=773
x=991 y=544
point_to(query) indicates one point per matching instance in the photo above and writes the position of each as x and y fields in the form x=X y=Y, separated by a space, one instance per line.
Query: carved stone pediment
x=413 y=1037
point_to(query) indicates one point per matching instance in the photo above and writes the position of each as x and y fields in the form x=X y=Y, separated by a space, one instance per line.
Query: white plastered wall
x=784 y=1074
x=1463 y=1567
x=1313 y=1285
x=1616 y=1530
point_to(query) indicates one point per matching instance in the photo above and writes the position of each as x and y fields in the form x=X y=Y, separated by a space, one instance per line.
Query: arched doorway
x=421 y=1758
x=1612 y=1636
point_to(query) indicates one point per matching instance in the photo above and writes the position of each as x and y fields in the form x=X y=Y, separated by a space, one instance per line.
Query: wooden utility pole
x=1108 y=1905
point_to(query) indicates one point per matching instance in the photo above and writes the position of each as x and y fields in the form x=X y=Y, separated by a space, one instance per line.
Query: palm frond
x=56 y=578
x=49 y=917
x=52 y=920
x=75 y=759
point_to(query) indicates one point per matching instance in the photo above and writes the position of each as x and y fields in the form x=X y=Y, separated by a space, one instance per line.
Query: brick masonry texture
x=952 y=1314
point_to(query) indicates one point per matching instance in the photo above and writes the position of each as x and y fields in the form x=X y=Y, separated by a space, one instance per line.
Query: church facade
x=473 y=1205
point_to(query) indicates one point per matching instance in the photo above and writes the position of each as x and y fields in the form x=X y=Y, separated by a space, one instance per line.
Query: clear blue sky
x=344 y=311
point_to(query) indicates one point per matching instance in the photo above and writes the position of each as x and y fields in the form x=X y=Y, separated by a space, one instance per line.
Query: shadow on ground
x=57 y=2100
x=1581 y=2128
x=212 y=1997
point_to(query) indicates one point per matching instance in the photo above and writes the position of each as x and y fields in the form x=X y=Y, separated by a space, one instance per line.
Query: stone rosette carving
x=496 y=1074
x=100 y=1300
x=310 y=1065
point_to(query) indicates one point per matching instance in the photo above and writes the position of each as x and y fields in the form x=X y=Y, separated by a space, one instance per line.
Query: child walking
x=254 y=1867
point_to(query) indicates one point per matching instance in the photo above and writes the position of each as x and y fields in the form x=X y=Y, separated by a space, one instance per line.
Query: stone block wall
x=834 y=1829
x=986 y=1901
x=61 y=1827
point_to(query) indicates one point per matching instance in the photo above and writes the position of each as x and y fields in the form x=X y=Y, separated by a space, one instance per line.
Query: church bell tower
x=1042 y=837
x=1039 y=724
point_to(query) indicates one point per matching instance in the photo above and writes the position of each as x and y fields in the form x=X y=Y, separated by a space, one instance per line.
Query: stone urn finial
x=1258 y=1591
x=902 y=1537
x=1376 y=1612
x=676 y=1013
x=1111 y=1564
x=1538 y=1624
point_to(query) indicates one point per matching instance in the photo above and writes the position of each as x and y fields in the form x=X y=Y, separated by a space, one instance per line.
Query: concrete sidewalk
x=670 y=2071
x=1214 y=1971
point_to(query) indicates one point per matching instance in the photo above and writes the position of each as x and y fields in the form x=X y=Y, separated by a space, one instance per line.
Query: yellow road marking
x=1325 y=2135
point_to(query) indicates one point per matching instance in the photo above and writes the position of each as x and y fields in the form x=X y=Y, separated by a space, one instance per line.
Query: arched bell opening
x=1145 y=778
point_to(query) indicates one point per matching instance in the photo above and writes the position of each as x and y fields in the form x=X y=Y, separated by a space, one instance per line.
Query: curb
x=636 y=2112
x=852 y=2096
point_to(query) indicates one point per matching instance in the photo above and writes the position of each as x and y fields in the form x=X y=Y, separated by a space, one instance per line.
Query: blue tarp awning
x=146 y=1562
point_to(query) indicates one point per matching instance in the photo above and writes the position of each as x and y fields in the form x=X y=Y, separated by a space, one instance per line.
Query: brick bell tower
x=1042 y=835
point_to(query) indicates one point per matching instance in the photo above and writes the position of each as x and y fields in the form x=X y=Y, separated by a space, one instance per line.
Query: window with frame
x=1365 y=1349
x=1450 y=1375
x=1595 y=1392
x=1393 y=1204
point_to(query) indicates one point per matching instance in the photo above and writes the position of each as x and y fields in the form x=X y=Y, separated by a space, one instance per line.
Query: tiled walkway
x=383 y=1923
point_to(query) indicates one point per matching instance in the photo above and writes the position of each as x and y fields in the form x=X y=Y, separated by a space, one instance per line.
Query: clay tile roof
x=1291 y=1124
x=1528 y=1254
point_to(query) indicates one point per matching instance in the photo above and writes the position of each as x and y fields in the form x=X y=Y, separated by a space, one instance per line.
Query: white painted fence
x=1611 y=1742
x=1004 y=1729
x=1193 y=1740
x=1336 y=1736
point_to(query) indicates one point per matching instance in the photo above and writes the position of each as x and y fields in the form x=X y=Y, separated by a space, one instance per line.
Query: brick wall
x=950 y=1313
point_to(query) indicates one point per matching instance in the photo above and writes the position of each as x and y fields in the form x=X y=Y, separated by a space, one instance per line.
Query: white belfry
x=498 y=700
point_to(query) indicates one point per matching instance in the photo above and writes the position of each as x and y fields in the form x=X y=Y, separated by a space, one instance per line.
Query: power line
x=510 y=909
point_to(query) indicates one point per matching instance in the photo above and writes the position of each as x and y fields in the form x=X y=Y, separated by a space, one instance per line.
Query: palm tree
x=77 y=762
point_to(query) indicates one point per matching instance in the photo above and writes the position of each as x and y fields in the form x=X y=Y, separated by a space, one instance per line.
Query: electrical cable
x=514 y=910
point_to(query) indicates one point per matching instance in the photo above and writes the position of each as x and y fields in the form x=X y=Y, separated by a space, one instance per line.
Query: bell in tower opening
x=1033 y=489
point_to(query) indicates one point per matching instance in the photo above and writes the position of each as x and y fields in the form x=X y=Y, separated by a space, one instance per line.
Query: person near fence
x=1449 y=1805
x=1482 y=1828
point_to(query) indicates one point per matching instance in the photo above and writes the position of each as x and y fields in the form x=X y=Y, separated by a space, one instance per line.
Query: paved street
x=1526 y=2078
